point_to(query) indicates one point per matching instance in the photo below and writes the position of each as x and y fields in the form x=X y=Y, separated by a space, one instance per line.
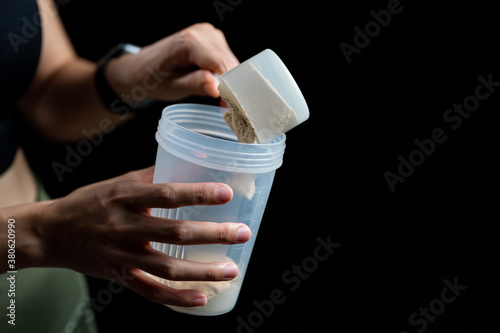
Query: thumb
x=200 y=82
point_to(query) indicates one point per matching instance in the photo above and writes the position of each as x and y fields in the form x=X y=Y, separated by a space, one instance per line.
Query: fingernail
x=243 y=234
x=199 y=301
x=224 y=193
x=230 y=271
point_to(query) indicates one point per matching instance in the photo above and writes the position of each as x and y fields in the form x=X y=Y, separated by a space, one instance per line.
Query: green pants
x=47 y=300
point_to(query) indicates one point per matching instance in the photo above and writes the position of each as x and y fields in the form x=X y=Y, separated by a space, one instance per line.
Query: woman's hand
x=175 y=67
x=104 y=230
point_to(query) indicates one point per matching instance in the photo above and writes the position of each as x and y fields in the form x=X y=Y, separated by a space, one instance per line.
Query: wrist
x=117 y=80
x=124 y=79
x=28 y=222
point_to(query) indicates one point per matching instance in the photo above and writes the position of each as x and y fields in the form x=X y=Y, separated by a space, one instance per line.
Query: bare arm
x=62 y=99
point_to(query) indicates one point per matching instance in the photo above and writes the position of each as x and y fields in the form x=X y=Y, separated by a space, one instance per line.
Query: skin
x=106 y=227
x=62 y=99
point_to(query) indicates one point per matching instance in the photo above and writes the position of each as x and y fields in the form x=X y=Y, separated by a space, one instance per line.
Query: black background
x=397 y=247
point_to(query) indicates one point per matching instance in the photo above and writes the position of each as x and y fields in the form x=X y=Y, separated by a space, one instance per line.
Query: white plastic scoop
x=264 y=99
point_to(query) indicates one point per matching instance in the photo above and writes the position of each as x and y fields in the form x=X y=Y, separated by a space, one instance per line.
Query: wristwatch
x=111 y=101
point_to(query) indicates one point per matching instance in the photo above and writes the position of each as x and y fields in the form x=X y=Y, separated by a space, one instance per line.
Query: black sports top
x=20 y=44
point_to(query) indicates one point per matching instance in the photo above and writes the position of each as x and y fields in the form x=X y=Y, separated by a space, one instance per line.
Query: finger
x=170 y=195
x=210 y=85
x=161 y=293
x=142 y=175
x=164 y=266
x=182 y=232
x=214 y=60
x=209 y=48
x=199 y=82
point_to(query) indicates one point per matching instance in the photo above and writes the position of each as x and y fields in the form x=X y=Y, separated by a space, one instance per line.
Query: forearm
x=62 y=99
x=21 y=236
x=68 y=103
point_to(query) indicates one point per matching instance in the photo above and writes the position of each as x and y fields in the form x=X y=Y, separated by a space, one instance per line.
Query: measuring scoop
x=264 y=99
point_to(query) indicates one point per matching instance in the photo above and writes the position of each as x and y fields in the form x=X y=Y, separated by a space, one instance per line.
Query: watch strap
x=108 y=97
